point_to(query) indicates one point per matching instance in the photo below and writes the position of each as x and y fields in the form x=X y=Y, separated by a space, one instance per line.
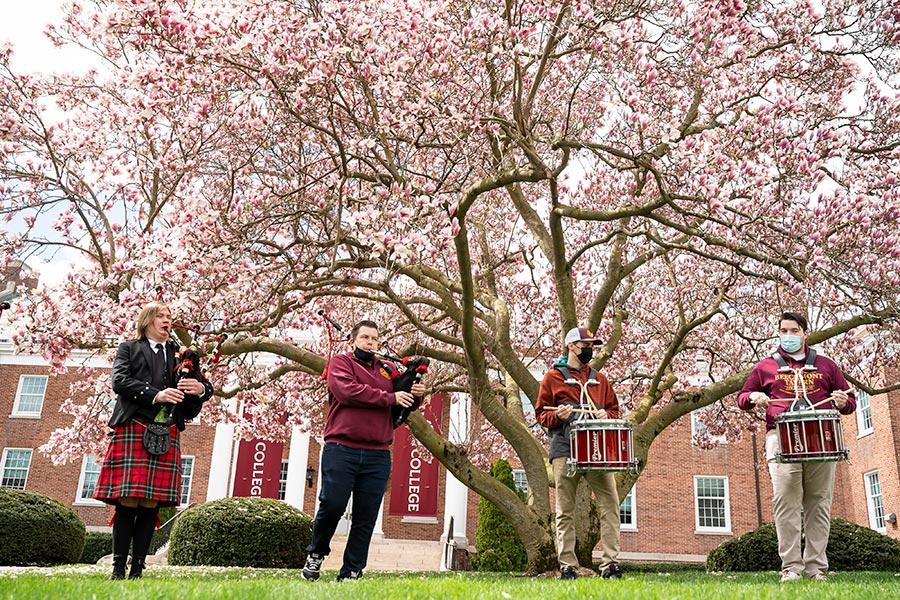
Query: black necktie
x=160 y=365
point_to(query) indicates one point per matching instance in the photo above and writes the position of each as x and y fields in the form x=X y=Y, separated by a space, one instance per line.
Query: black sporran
x=157 y=438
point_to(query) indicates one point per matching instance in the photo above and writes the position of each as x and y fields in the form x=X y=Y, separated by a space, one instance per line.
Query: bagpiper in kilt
x=132 y=478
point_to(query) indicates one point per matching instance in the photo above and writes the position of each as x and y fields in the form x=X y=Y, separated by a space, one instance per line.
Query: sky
x=22 y=24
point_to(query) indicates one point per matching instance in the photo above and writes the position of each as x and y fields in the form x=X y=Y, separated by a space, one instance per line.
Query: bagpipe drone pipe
x=188 y=365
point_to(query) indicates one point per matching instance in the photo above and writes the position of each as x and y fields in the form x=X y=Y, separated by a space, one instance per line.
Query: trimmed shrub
x=496 y=541
x=753 y=551
x=855 y=548
x=241 y=532
x=97 y=544
x=851 y=547
x=38 y=530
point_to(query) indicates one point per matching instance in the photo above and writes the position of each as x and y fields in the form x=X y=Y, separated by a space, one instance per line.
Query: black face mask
x=586 y=354
x=364 y=356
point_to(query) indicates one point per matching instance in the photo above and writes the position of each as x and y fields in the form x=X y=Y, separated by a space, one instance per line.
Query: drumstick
x=828 y=399
x=790 y=401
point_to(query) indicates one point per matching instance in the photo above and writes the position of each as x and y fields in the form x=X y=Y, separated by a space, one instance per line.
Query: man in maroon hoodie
x=355 y=459
x=801 y=490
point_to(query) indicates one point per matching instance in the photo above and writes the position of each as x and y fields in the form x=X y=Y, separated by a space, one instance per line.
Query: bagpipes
x=187 y=360
x=404 y=372
x=407 y=372
x=156 y=437
x=187 y=365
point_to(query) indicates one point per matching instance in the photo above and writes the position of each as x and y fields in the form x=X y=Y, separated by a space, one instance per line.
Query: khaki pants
x=802 y=491
x=604 y=488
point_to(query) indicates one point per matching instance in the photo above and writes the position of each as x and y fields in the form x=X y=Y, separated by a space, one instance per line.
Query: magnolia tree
x=479 y=177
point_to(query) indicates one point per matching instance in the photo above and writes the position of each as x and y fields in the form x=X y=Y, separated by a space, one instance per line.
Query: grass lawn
x=214 y=582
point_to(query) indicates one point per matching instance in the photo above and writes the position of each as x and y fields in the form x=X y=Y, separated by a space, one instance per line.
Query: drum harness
x=591 y=380
x=799 y=384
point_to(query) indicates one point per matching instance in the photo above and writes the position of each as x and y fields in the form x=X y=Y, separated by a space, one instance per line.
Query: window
x=699 y=430
x=16 y=462
x=87 y=482
x=863 y=414
x=30 y=396
x=187 y=474
x=520 y=480
x=713 y=512
x=875 y=501
x=282 y=480
x=628 y=512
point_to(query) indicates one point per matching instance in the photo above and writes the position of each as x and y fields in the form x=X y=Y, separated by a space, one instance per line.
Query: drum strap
x=567 y=374
x=800 y=403
x=810 y=364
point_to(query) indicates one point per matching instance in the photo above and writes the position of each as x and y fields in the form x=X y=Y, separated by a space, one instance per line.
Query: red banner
x=414 y=478
x=258 y=469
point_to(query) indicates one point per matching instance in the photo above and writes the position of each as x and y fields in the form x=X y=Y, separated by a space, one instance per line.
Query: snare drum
x=601 y=445
x=810 y=436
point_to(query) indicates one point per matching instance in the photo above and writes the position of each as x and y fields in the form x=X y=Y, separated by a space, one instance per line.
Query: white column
x=456 y=495
x=298 y=459
x=221 y=462
x=379 y=522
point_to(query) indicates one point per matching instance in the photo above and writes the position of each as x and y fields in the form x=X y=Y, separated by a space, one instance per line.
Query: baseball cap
x=581 y=334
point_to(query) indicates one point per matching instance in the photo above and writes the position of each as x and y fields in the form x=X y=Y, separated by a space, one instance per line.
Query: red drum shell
x=810 y=436
x=601 y=445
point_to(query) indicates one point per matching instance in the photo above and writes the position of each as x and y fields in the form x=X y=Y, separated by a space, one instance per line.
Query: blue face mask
x=791 y=343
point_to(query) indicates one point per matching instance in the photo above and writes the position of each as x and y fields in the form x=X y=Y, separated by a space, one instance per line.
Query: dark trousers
x=364 y=473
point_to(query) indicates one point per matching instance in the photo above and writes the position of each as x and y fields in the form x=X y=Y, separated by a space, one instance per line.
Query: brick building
x=687 y=501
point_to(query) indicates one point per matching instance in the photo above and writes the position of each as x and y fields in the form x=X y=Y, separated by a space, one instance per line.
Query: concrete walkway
x=391 y=555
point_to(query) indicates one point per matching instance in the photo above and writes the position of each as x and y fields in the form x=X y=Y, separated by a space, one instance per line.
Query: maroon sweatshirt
x=360 y=397
x=820 y=383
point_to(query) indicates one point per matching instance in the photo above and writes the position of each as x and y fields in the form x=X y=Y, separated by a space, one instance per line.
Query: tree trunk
x=587 y=524
x=533 y=527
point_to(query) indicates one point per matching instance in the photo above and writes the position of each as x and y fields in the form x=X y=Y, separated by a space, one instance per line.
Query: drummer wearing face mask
x=805 y=489
x=559 y=397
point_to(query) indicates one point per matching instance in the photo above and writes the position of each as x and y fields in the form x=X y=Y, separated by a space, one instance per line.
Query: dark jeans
x=364 y=473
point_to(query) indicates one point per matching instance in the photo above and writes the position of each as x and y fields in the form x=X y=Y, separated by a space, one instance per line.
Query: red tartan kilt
x=129 y=471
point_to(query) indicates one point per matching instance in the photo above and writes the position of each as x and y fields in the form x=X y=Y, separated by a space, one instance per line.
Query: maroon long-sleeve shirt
x=820 y=383
x=360 y=400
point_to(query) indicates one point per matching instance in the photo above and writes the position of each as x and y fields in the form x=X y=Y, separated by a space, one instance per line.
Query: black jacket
x=131 y=377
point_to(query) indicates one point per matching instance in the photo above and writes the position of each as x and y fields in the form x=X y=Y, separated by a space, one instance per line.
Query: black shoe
x=119 y=563
x=350 y=575
x=568 y=572
x=313 y=566
x=137 y=567
x=612 y=572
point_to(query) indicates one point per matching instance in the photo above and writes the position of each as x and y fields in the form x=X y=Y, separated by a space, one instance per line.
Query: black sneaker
x=350 y=575
x=612 y=572
x=568 y=572
x=313 y=566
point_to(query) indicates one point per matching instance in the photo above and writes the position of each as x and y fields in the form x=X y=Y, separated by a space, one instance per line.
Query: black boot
x=137 y=567
x=119 y=561
x=143 y=535
x=123 y=530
